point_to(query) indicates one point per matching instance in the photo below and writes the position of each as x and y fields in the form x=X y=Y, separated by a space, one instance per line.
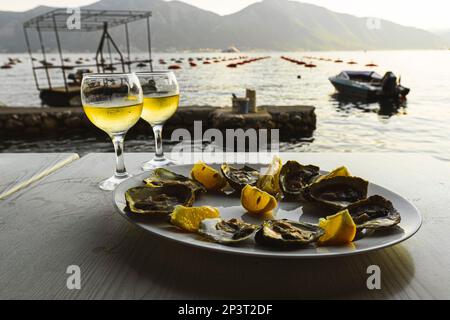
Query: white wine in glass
x=114 y=120
x=161 y=100
x=113 y=103
x=157 y=110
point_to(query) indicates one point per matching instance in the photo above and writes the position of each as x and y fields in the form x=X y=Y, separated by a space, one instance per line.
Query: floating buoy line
x=312 y=65
x=193 y=62
x=247 y=61
x=233 y=63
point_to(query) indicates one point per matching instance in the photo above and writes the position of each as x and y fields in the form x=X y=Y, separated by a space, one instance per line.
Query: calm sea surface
x=421 y=126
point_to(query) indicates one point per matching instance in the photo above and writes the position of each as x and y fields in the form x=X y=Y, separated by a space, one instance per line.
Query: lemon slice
x=339 y=172
x=190 y=219
x=340 y=229
x=270 y=181
x=257 y=202
x=210 y=178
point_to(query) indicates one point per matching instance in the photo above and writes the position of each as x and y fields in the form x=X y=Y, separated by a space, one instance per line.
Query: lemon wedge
x=340 y=229
x=189 y=219
x=210 y=178
x=257 y=202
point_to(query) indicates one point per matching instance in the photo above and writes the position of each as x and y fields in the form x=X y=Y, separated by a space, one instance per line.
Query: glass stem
x=159 y=152
x=118 y=142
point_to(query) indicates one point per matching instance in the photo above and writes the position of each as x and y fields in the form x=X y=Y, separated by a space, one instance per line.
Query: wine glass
x=113 y=103
x=161 y=99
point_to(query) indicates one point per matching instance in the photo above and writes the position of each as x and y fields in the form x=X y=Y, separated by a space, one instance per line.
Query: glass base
x=112 y=183
x=157 y=163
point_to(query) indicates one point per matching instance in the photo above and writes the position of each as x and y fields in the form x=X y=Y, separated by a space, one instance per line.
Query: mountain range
x=267 y=25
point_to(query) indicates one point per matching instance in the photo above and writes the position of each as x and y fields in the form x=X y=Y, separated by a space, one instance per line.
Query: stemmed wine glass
x=113 y=103
x=161 y=99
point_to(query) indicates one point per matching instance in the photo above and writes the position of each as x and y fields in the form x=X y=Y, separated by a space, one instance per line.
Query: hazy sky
x=430 y=14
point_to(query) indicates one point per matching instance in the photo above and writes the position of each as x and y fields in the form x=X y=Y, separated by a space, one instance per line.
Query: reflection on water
x=385 y=107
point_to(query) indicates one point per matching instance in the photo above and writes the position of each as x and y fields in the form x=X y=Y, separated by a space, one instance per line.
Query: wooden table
x=64 y=219
x=20 y=170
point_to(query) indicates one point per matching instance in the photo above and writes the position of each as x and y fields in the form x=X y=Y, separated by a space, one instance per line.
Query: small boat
x=6 y=66
x=141 y=65
x=174 y=67
x=338 y=61
x=192 y=64
x=351 y=62
x=231 y=50
x=369 y=85
x=372 y=65
x=232 y=65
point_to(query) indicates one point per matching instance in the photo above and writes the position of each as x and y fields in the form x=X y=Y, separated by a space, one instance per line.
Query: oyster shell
x=227 y=232
x=239 y=178
x=294 y=177
x=162 y=176
x=338 y=192
x=279 y=233
x=374 y=213
x=157 y=201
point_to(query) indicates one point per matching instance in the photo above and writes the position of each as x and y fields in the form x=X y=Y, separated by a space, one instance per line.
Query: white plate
x=230 y=207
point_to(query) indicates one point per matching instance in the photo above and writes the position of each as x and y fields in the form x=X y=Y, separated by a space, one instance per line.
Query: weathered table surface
x=66 y=220
x=20 y=170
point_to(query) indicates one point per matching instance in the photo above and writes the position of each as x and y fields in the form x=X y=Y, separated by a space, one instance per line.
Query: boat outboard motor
x=389 y=84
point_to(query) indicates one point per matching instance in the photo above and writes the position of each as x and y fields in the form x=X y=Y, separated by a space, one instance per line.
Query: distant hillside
x=267 y=25
x=446 y=37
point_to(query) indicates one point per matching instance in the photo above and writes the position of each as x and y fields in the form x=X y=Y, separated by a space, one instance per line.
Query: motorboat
x=369 y=85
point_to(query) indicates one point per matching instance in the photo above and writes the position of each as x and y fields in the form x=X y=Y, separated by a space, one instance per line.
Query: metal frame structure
x=90 y=20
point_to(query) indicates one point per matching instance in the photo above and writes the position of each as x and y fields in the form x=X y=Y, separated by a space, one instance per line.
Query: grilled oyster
x=156 y=201
x=294 y=177
x=374 y=213
x=227 y=232
x=285 y=233
x=239 y=178
x=338 y=192
x=161 y=176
